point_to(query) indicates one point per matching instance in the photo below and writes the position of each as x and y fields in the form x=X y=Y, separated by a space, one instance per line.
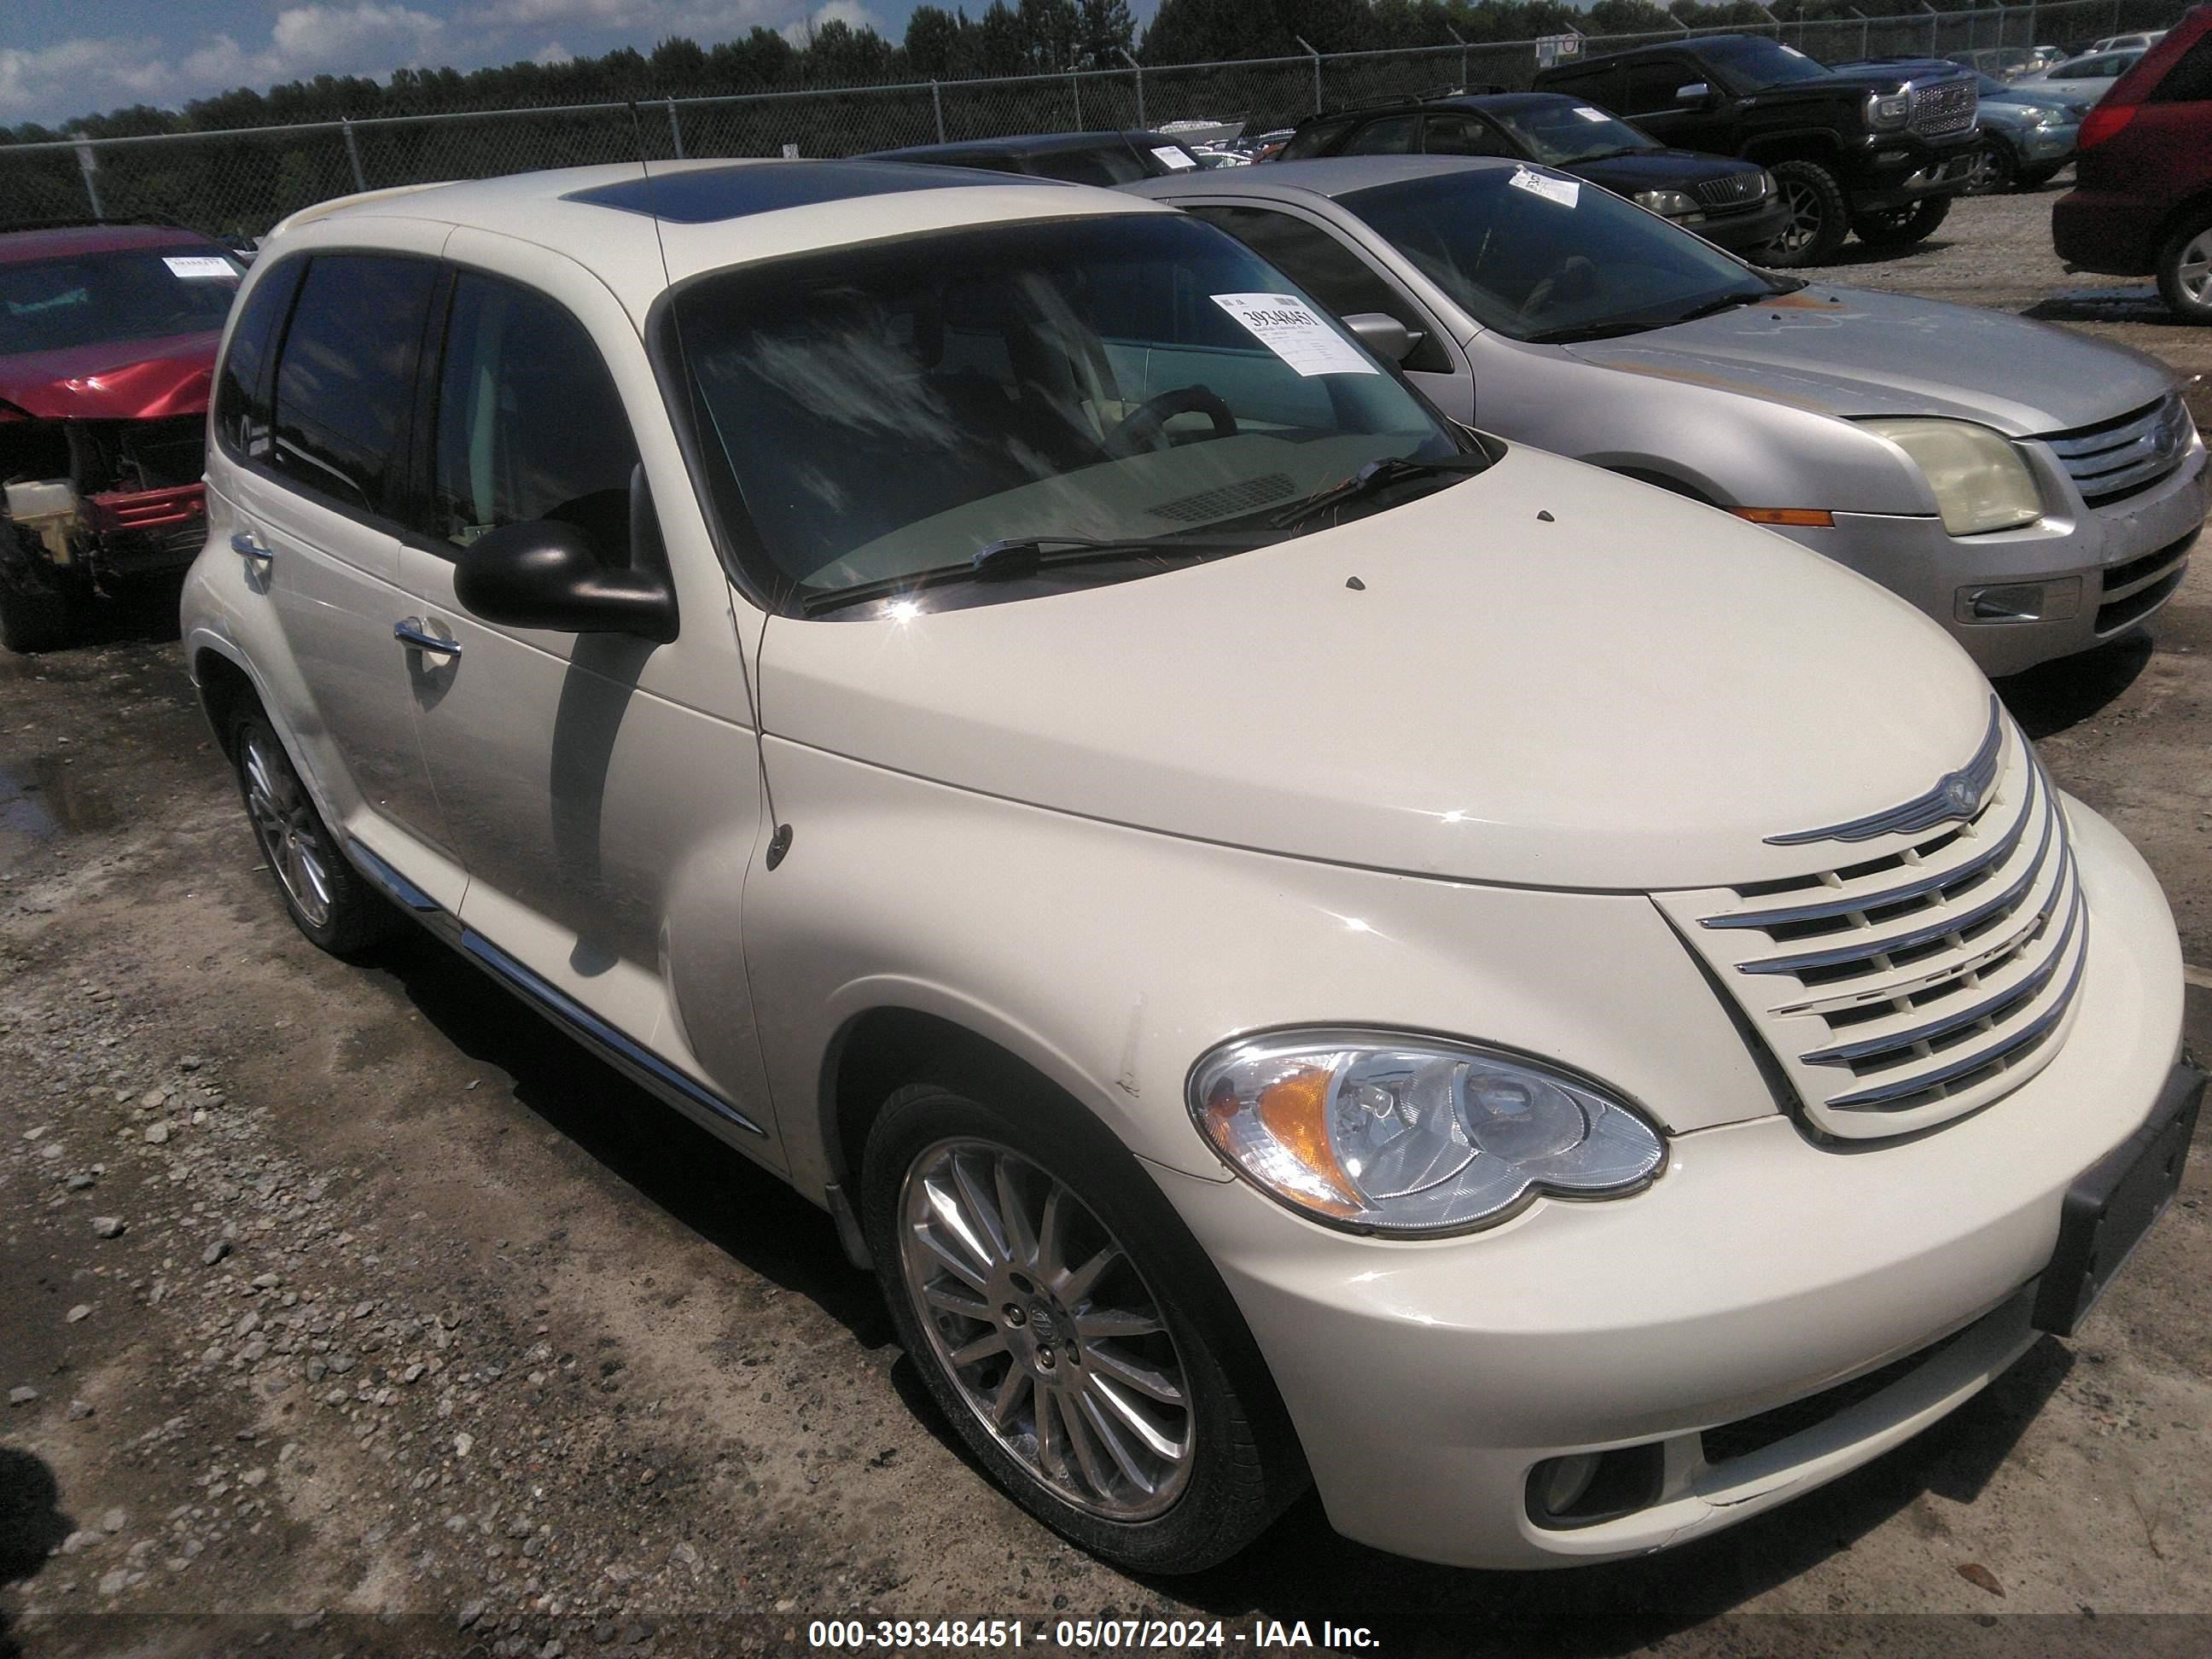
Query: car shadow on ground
x=1855 y=253
x=2054 y=696
x=32 y=1526
x=741 y=1209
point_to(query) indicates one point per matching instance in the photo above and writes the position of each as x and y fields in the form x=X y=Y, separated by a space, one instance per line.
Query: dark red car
x=2141 y=202
x=107 y=342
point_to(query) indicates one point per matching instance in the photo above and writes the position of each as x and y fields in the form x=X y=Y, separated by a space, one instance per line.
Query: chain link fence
x=237 y=184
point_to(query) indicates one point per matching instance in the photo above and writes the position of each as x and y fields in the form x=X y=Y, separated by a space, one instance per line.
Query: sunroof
x=700 y=195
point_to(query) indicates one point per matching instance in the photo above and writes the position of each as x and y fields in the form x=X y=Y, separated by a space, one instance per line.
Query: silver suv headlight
x=1978 y=479
x=1671 y=203
x=1414 y=1135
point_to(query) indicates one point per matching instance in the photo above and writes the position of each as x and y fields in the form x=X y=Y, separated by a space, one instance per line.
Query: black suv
x=1873 y=149
x=1079 y=158
x=1731 y=203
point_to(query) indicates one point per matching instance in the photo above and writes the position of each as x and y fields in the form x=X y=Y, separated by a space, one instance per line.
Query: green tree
x=1103 y=31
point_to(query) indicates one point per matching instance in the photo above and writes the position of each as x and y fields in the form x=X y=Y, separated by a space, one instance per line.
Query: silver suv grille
x=2118 y=458
x=1918 y=985
x=1736 y=190
x=1948 y=106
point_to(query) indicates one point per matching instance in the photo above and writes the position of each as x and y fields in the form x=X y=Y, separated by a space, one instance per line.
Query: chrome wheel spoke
x=1045 y=1329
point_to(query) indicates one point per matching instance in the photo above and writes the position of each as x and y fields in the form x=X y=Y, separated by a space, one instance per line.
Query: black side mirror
x=544 y=574
x=1384 y=335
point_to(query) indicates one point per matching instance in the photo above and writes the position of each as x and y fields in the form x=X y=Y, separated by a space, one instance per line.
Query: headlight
x=2047 y=117
x=1413 y=1135
x=1766 y=183
x=1979 y=480
x=1888 y=110
x=1672 y=203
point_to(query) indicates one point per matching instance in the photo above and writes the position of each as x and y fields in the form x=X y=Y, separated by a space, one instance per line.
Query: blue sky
x=64 y=57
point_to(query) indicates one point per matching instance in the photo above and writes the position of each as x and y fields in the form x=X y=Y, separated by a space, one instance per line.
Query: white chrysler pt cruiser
x=1303 y=943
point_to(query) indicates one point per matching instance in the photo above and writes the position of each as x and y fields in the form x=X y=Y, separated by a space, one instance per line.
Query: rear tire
x=1996 y=169
x=2185 y=270
x=1047 y=1192
x=328 y=900
x=1820 y=218
x=1902 y=227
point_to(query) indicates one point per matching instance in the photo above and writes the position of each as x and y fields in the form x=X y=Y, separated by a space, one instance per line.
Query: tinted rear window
x=347 y=376
x=241 y=396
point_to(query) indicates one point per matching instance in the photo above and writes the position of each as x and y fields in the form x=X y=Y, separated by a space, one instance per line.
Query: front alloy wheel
x=1818 y=218
x=1046 y=1329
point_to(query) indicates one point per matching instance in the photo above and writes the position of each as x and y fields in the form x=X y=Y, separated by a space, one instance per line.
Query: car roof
x=60 y=241
x=1328 y=176
x=639 y=231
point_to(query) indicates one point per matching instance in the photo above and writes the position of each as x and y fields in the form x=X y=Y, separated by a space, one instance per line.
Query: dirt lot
x=348 y=1293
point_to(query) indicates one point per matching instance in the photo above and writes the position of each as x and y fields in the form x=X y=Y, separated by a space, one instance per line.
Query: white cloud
x=552 y=52
x=851 y=13
x=74 y=77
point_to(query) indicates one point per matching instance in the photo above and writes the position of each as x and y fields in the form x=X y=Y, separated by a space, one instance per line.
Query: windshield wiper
x=1583 y=331
x=1376 y=475
x=1714 y=307
x=1019 y=555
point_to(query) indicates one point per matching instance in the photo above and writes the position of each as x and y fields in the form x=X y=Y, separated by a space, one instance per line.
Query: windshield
x=879 y=412
x=1560 y=132
x=87 y=299
x=1753 y=61
x=1550 y=260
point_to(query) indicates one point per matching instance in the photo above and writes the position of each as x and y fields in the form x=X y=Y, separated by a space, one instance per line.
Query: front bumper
x=1898 y=174
x=1740 y=233
x=2102 y=571
x=1428 y=1379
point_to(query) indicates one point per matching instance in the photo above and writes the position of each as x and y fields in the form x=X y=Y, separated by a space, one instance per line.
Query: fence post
x=1075 y=91
x=1315 y=56
x=1932 y=19
x=675 y=131
x=937 y=103
x=1139 y=67
x=88 y=163
x=1862 y=16
x=353 y=153
x=1461 y=39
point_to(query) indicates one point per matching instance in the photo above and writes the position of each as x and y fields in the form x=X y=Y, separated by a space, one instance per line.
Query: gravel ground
x=353 y=1312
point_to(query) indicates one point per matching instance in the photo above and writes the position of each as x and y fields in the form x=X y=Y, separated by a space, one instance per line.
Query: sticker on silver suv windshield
x=198 y=264
x=1173 y=158
x=1296 y=332
x=1565 y=192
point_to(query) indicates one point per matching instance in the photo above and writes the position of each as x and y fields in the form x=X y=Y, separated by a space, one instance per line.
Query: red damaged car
x=107 y=342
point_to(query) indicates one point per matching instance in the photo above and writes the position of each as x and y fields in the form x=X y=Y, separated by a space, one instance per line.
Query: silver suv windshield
x=891 y=412
x=1551 y=259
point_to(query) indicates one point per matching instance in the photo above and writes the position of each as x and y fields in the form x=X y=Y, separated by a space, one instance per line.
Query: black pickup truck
x=1874 y=150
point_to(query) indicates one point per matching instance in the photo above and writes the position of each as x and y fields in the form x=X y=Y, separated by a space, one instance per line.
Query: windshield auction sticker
x=199 y=264
x=1590 y=114
x=1173 y=158
x=1565 y=192
x=1294 y=331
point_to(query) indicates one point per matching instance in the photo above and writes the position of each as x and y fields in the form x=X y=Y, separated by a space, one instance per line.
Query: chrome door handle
x=409 y=632
x=247 y=545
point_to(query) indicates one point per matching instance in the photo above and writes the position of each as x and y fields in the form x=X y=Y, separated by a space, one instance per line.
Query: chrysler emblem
x=1963 y=793
x=1954 y=795
x=2166 y=441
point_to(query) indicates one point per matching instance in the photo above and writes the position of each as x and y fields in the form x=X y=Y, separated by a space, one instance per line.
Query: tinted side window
x=1326 y=269
x=1315 y=140
x=1464 y=135
x=529 y=425
x=1393 y=136
x=2190 y=80
x=347 y=376
x=1649 y=87
x=242 y=393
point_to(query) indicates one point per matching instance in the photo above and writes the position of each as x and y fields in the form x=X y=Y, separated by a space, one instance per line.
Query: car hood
x=120 y=380
x=1851 y=352
x=1546 y=676
x=1657 y=169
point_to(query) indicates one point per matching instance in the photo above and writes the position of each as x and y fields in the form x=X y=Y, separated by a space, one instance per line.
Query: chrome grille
x=2117 y=459
x=1948 y=106
x=1736 y=190
x=1920 y=984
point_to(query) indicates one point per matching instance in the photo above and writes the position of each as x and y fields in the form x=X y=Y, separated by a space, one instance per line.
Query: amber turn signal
x=1800 y=518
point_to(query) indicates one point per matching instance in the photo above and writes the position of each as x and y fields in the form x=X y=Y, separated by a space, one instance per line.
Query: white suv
x=1302 y=942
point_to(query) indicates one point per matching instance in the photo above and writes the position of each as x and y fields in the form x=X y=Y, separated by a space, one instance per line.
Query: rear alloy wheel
x=1819 y=218
x=1074 y=1334
x=1993 y=171
x=2185 y=270
x=1902 y=227
x=330 y=904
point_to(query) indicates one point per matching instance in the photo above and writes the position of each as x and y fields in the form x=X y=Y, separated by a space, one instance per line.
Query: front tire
x=329 y=902
x=1902 y=227
x=1994 y=170
x=2185 y=270
x=1071 y=1330
x=1820 y=218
